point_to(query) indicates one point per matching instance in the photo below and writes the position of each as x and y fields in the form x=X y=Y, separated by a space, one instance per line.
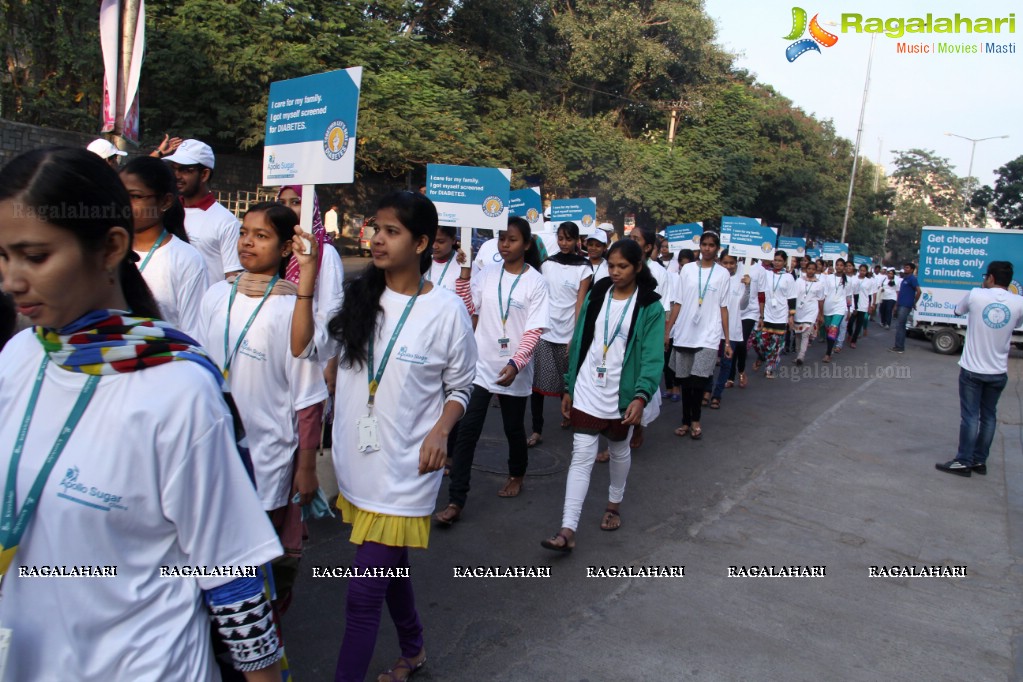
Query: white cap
x=104 y=149
x=606 y=227
x=598 y=236
x=192 y=152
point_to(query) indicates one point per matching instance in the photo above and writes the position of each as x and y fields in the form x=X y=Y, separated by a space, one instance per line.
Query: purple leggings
x=362 y=611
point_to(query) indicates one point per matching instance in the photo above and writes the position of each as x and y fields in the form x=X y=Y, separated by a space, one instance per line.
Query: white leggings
x=584 y=454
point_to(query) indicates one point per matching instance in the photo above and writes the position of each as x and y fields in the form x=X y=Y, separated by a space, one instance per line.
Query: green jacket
x=644 y=348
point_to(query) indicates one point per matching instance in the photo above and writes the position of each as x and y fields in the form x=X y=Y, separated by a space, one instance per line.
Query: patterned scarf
x=319 y=231
x=110 y=342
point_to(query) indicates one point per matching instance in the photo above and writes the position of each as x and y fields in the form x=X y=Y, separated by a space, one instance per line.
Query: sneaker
x=954 y=467
x=979 y=469
x=893 y=349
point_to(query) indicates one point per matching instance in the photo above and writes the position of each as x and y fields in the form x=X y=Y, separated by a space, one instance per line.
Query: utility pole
x=859 y=135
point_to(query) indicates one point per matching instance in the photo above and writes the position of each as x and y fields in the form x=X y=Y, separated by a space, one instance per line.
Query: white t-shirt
x=268 y=384
x=529 y=309
x=445 y=274
x=176 y=274
x=757 y=278
x=563 y=283
x=329 y=292
x=736 y=290
x=434 y=353
x=666 y=284
x=863 y=293
x=600 y=272
x=330 y=223
x=779 y=287
x=214 y=234
x=890 y=293
x=992 y=315
x=487 y=255
x=809 y=294
x=699 y=326
x=149 y=478
x=588 y=396
x=836 y=294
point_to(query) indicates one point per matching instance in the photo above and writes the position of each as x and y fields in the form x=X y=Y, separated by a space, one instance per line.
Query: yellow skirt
x=384 y=529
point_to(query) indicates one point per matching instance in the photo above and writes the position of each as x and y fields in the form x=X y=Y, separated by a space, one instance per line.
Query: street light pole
x=973 y=150
x=859 y=135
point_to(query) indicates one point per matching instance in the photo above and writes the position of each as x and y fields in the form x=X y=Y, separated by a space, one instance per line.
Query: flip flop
x=443 y=518
x=534 y=440
x=512 y=487
x=682 y=431
x=613 y=513
x=742 y=380
x=696 y=434
x=564 y=548
x=715 y=403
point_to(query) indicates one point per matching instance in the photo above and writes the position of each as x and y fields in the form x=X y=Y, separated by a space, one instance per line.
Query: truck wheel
x=946 y=342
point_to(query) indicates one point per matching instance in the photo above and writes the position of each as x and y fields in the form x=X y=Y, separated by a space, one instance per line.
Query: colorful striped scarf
x=110 y=342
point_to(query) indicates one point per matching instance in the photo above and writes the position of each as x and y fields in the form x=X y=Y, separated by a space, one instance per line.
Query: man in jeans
x=993 y=313
x=909 y=294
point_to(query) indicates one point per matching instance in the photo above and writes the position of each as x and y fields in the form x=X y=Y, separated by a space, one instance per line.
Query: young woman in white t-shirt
x=613 y=374
x=510 y=306
x=406 y=363
x=863 y=304
x=245 y=324
x=596 y=247
x=836 y=306
x=777 y=312
x=148 y=475
x=809 y=308
x=568 y=278
x=889 y=295
x=173 y=269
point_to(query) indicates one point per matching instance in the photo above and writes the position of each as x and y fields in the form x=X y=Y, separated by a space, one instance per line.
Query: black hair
x=570 y=228
x=448 y=231
x=714 y=235
x=8 y=319
x=157 y=176
x=841 y=272
x=77 y=191
x=356 y=322
x=784 y=256
x=688 y=254
x=532 y=255
x=283 y=220
x=910 y=264
x=649 y=239
x=1001 y=272
x=632 y=252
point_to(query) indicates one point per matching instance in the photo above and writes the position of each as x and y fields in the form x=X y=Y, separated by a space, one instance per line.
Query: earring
x=110 y=275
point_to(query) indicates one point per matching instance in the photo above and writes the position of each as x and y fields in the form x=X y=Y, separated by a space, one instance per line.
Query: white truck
x=953 y=260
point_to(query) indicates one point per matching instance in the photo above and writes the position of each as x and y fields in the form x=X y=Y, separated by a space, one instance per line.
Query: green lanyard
x=12 y=526
x=700 y=287
x=607 y=321
x=152 y=250
x=245 y=330
x=443 y=272
x=374 y=382
x=500 y=299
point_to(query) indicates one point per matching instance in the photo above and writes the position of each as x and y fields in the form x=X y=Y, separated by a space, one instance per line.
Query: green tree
x=922 y=176
x=1007 y=197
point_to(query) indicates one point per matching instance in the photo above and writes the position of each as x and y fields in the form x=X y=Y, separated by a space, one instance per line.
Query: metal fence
x=239 y=202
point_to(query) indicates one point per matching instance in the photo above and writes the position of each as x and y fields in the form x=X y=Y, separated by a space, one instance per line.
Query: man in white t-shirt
x=993 y=313
x=212 y=229
x=330 y=222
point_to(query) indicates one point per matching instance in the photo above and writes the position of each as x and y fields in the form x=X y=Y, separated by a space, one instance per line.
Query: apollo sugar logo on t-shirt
x=91 y=496
x=413 y=358
x=996 y=315
x=248 y=351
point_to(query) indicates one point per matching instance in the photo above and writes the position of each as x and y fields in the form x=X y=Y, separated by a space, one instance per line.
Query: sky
x=914 y=99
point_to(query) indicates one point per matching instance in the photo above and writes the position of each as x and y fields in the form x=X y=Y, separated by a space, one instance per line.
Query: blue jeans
x=978 y=397
x=900 y=326
x=725 y=369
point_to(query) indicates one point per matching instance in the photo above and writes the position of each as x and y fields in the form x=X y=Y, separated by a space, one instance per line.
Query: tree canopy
x=578 y=93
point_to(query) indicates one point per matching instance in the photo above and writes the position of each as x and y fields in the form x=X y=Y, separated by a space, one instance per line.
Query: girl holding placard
x=510 y=302
x=406 y=363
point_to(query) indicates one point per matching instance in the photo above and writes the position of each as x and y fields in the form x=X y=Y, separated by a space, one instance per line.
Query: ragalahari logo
x=817 y=35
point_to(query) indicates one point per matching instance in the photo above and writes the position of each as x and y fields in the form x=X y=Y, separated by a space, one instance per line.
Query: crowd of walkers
x=181 y=367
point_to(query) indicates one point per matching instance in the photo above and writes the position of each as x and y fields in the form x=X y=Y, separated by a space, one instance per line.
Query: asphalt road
x=819 y=469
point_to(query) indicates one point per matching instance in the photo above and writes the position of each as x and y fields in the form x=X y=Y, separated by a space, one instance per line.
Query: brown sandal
x=404 y=668
x=512 y=487
x=448 y=515
x=611 y=516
